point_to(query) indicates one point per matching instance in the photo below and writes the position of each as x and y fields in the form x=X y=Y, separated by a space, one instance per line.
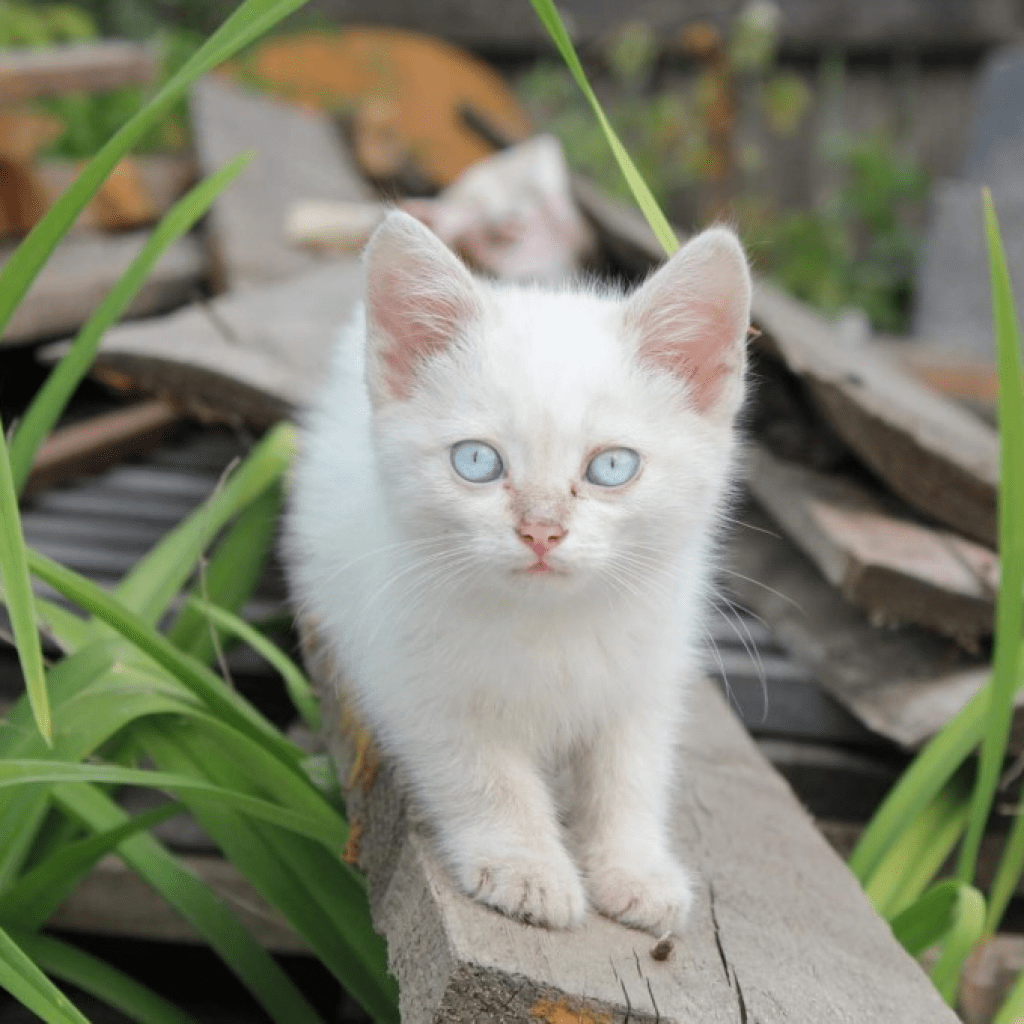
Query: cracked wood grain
x=781 y=933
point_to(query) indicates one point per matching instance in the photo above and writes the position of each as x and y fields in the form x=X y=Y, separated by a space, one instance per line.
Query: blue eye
x=613 y=467
x=476 y=462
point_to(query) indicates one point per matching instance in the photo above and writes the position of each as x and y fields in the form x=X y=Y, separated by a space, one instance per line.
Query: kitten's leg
x=620 y=825
x=498 y=827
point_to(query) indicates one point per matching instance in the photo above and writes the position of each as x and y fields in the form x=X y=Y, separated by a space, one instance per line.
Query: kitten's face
x=545 y=455
x=537 y=448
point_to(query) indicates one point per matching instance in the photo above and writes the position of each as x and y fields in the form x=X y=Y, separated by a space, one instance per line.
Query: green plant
x=678 y=138
x=125 y=694
x=856 y=249
x=934 y=804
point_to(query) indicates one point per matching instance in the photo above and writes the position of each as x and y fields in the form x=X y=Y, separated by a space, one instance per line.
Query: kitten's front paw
x=657 y=899
x=539 y=890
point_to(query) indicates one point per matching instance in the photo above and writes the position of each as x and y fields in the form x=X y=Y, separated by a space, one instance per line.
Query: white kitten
x=502 y=520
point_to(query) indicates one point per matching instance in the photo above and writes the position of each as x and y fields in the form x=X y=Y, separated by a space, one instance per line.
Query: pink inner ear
x=416 y=325
x=695 y=341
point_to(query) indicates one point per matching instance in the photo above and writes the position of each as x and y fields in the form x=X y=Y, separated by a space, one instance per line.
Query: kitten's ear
x=419 y=298
x=691 y=319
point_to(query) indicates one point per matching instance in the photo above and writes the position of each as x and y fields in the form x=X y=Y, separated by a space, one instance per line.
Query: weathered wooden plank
x=113 y=900
x=82 y=270
x=151 y=183
x=816 y=25
x=297 y=157
x=934 y=454
x=895 y=569
x=254 y=356
x=781 y=930
x=82 y=67
x=100 y=442
x=903 y=683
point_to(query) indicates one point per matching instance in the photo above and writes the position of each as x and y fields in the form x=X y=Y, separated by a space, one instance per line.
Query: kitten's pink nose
x=540 y=538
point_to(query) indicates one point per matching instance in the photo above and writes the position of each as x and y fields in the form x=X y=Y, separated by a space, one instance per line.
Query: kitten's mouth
x=538 y=567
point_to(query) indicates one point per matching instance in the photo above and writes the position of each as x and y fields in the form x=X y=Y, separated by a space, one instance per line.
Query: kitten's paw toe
x=538 y=890
x=657 y=900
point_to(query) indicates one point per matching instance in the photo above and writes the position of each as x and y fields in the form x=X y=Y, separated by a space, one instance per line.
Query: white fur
x=484 y=681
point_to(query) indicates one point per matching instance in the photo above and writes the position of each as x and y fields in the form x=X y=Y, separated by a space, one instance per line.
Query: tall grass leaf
x=966 y=932
x=18 y=597
x=22 y=772
x=196 y=676
x=329 y=910
x=232 y=573
x=52 y=398
x=552 y=22
x=197 y=904
x=37 y=894
x=249 y=21
x=951 y=914
x=909 y=867
x=154 y=582
x=20 y=976
x=1010 y=600
x=933 y=767
x=73 y=965
x=927 y=921
x=299 y=688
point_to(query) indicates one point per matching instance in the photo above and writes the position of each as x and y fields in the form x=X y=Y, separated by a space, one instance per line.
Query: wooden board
x=934 y=454
x=82 y=67
x=251 y=357
x=780 y=931
x=296 y=156
x=897 y=570
x=113 y=900
x=83 y=269
x=903 y=683
x=101 y=441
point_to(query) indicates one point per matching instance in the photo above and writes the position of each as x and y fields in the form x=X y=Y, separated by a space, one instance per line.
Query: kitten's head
x=544 y=441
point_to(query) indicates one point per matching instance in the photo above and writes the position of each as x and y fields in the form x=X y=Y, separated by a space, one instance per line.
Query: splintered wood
x=780 y=932
x=895 y=569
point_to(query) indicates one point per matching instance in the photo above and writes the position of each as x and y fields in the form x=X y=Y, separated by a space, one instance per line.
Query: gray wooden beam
x=780 y=932
x=82 y=67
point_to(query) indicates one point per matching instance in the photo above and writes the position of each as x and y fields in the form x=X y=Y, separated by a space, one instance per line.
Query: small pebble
x=662 y=949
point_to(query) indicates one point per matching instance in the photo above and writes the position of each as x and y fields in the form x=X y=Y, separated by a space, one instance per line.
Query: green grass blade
x=99 y=979
x=322 y=898
x=965 y=933
x=37 y=894
x=926 y=775
x=928 y=920
x=24 y=771
x=151 y=586
x=1012 y=1010
x=197 y=677
x=27 y=983
x=909 y=867
x=233 y=572
x=552 y=22
x=255 y=968
x=1010 y=600
x=250 y=20
x=49 y=403
x=299 y=687
x=18 y=597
